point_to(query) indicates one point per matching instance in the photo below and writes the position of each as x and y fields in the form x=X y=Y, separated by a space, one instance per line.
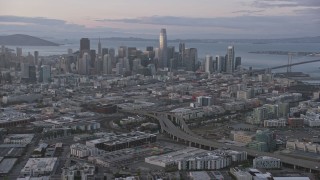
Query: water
x=241 y=49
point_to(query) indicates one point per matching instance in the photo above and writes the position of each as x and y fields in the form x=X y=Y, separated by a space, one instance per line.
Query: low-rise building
x=266 y=162
x=188 y=113
x=201 y=175
x=81 y=150
x=23 y=139
x=275 y=123
x=39 y=167
x=311 y=119
x=198 y=159
x=240 y=175
x=242 y=136
x=115 y=142
x=295 y=122
x=303 y=146
x=78 y=171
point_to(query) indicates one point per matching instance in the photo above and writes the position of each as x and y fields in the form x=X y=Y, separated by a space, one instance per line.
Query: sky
x=184 y=19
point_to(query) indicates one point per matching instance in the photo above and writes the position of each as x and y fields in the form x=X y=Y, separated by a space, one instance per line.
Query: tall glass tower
x=230 y=60
x=99 y=47
x=163 y=55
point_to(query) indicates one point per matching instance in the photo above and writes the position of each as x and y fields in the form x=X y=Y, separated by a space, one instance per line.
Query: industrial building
x=266 y=162
x=116 y=142
x=37 y=167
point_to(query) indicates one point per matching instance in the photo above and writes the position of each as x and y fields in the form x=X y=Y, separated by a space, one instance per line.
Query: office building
x=265 y=162
x=265 y=141
x=32 y=74
x=24 y=70
x=221 y=64
x=265 y=112
x=204 y=100
x=70 y=51
x=119 y=68
x=136 y=64
x=163 y=51
x=104 y=51
x=191 y=58
x=84 y=64
x=84 y=46
x=230 y=60
x=19 y=52
x=237 y=62
x=93 y=57
x=107 y=64
x=36 y=57
x=209 y=64
x=181 y=57
x=99 y=48
x=45 y=74
x=122 y=52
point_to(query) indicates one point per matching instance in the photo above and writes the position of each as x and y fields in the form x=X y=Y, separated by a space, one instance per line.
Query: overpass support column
x=294 y=167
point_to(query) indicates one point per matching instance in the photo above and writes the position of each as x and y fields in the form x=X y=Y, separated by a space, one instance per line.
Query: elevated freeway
x=183 y=134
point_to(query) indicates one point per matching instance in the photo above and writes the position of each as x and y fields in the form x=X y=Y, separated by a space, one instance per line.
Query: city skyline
x=201 y=19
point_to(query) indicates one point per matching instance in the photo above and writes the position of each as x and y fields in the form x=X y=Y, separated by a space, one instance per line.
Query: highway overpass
x=183 y=134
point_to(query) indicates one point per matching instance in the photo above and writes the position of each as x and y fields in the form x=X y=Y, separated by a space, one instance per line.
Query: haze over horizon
x=183 y=19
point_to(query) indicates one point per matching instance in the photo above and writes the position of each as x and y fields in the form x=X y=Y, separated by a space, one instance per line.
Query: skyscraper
x=84 y=46
x=19 y=52
x=99 y=48
x=93 y=57
x=182 y=48
x=191 y=57
x=237 y=62
x=36 y=57
x=107 y=64
x=122 y=52
x=84 y=64
x=209 y=64
x=230 y=60
x=45 y=74
x=163 y=53
x=221 y=64
x=104 y=51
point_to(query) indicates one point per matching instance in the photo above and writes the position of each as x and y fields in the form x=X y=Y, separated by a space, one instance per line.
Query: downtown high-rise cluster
x=130 y=60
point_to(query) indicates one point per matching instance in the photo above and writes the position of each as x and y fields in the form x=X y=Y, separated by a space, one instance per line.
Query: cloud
x=248 y=11
x=33 y=20
x=238 y=22
x=243 y=26
x=285 y=3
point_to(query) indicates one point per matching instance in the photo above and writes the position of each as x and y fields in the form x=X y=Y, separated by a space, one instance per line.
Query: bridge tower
x=290 y=54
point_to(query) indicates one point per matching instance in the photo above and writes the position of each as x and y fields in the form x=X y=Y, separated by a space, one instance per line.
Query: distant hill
x=24 y=40
x=254 y=41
